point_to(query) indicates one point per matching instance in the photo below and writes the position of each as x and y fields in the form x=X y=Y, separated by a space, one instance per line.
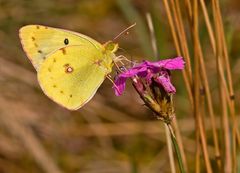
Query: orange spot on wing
x=97 y=62
x=63 y=51
x=69 y=69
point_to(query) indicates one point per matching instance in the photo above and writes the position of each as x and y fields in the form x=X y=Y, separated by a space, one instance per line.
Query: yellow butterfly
x=70 y=66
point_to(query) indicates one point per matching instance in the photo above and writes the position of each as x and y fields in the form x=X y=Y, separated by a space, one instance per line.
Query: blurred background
x=109 y=134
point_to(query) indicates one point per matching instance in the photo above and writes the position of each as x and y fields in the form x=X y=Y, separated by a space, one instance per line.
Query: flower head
x=152 y=82
x=151 y=71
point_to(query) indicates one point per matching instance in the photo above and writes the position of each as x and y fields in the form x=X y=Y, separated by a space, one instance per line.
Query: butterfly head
x=111 y=46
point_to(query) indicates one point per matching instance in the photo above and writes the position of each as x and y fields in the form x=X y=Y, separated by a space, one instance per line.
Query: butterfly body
x=70 y=66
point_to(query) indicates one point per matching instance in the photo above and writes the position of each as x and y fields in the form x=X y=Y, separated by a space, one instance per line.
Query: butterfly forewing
x=39 y=41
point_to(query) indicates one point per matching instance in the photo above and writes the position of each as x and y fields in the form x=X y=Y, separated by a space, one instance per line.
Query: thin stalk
x=105 y=143
x=133 y=16
x=189 y=9
x=180 y=143
x=198 y=138
x=223 y=56
x=176 y=43
x=227 y=155
x=175 y=145
x=182 y=36
x=197 y=112
x=225 y=52
x=209 y=106
x=152 y=35
x=172 y=27
x=30 y=141
x=175 y=123
x=222 y=86
x=204 y=144
x=198 y=152
x=235 y=130
x=206 y=83
x=170 y=151
x=203 y=70
x=228 y=72
x=208 y=25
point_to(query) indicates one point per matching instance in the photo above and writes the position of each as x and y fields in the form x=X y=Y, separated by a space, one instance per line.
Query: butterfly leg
x=109 y=77
x=121 y=58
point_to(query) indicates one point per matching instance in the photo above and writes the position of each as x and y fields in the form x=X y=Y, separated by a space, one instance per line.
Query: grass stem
x=176 y=147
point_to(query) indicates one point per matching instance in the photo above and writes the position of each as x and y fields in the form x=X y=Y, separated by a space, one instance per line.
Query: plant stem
x=176 y=148
x=170 y=150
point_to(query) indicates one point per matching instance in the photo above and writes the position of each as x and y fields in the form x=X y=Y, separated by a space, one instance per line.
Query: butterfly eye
x=66 y=41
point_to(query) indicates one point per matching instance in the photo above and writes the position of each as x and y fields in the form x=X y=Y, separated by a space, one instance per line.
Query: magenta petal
x=138 y=70
x=149 y=77
x=166 y=84
x=174 y=64
x=170 y=64
x=120 y=82
x=119 y=85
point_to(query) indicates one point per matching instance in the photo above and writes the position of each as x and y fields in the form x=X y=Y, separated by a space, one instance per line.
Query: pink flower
x=158 y=72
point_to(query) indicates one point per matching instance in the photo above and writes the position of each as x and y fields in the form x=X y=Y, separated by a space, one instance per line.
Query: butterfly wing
x=38 y=41
x=70 y=76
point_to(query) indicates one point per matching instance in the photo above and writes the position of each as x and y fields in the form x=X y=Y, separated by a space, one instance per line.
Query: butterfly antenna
x=124 y=31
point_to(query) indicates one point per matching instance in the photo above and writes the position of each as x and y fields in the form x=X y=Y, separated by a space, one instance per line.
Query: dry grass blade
x=189 y=8
x=182 y=36
x=225 y=121
x=27 y=137
x=236 y=133
x=133 y=16
x=181 y=33
x=226 y=92
x=106 y=143
x=176 y=43
x=197 y=83
x=206 y=85
x=198 y=153
x=199 y=65
x=175 y=124
x=152 y=35
x=228 y=72
x=209 y=27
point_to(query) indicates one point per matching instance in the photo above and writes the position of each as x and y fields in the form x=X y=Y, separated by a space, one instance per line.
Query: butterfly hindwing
x=70 y=76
